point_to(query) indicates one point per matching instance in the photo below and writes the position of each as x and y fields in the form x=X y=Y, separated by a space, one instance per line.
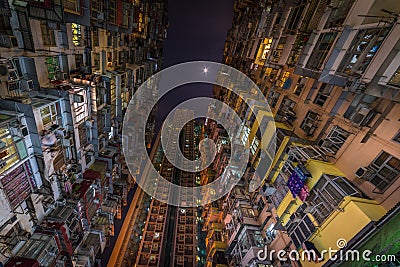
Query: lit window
x=254 y=145
x=263 y=51
x=395 y=80
x=283 y=79
x=47 y=35
x=53 y=67
x=76 y=34
x=245 y=136
x=49 y=115
x=361 y=51
x=271 y=232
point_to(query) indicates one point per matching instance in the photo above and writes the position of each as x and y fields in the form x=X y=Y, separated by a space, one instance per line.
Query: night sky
x=197 y=31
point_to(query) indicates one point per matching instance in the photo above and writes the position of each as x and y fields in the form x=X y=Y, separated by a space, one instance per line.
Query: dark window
x=397 y=137
x=299 y=86
x=310 y=123
x=302 y=231
x=386 y=169
x=273 y=98
x=339 y=12
x=78 y=60
x=321 y=50
x=334 y=140
x=323 y=94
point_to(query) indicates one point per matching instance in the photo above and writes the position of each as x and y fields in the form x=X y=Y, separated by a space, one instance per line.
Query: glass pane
x=21 y=149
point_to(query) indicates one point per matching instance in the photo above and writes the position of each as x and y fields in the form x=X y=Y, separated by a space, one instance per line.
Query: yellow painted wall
x=357 y=213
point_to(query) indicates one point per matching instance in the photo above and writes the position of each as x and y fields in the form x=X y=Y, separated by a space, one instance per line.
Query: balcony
x=46 y=10
x=359 y=211
x=235 y=227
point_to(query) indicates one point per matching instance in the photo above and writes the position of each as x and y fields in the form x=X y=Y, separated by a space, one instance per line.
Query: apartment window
x=47 y=35
x=125 y=16
x=53 y=67
x=121 y=57
x=283 y=79
x=181 y=238
x=286 y=109
x=5 y=24
x=254 y=145
x=88 y=159
x=328 y=194
x=76 y=34
x=247 y=212
x=359 y=111
x=78 y=61
x=397 y=137
x=245 y=135
x=277 y=53
x=112 y=5
x=273 y=98
x=323 y=94
x=49 y=115
x=281 y=191
x=260 y=205
x=321 y=50
x=83 y=139
x=310 y=123
x=395 y=80
x=339 y=12
x=386 y=170
x=299 y=86
x=96 y=61
x=271 y=232
x=335 y=139
x=362 y=50
x=72 y=6
x=95 y=36
x=302 y=231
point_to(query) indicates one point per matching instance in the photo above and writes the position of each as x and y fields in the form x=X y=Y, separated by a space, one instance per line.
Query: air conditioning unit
x=8 y=41
x=100 y=16
x=362 y=173
x=13 y=86
x=27 y=85
x=360 y=115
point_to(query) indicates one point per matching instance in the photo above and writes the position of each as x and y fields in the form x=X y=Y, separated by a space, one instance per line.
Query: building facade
x=68 y=70
x=328 y=70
